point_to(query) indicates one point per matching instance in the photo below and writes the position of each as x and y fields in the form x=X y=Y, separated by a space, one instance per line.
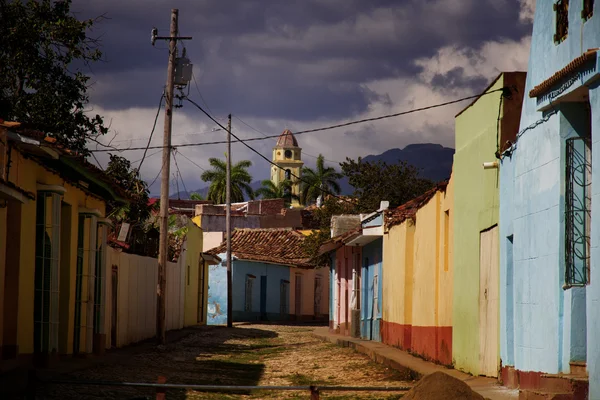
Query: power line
x=162 y=96
x=190 y=160
x=267 y=136
x=326 y=128
x=179 y=172
x=265 y=158
x=151 y=155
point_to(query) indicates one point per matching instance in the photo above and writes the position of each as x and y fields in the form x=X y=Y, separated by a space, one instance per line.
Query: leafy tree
x=283 y=190
x=322 y=178
x=377 y=181
x=196 y=196
x=322 y=216
x=41 y=46
x=217 y=176
x=119 y=168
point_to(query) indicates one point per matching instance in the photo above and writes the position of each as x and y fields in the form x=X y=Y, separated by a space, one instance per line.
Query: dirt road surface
x=248 y=355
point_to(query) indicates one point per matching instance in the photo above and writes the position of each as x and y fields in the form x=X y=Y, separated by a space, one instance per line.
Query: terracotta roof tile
x=563 y=73
x=279 y=246
x=410 y=208
x=286 y=139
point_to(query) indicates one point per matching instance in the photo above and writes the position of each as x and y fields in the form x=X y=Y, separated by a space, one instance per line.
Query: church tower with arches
x=288 y=155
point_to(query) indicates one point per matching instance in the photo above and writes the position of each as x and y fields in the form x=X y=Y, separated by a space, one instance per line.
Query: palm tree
x=196 y=196
x=217 y=176
x=318 y=180
x=283 y=190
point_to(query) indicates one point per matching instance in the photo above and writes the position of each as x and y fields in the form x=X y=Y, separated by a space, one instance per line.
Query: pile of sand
x=441 y=386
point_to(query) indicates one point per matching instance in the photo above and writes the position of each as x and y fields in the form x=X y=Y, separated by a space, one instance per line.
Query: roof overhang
x=211 y=259
x=568 y=84
x=367 y=236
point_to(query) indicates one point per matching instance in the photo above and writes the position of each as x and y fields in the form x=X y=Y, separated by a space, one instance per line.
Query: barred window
x=561 y=7
x=284 y=295
x=588 y=9
x=249 y=287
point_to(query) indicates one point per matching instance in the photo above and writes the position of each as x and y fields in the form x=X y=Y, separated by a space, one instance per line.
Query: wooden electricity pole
x=163 y=249
x=228 y=227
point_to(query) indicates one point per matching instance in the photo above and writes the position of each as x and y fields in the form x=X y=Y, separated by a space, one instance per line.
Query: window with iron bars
x=561 y=8
x=248 y=299
x=577 y=211
x=588 y=9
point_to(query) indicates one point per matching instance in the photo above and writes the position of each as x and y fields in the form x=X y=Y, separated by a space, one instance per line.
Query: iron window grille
x=577 y=211
x=298 y=294
x=46 y=297
x=588 y=9
x=561 y=7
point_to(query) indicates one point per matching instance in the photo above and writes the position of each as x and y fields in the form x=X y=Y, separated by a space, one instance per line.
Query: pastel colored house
x=345 y=271
x=53 y=249
x=273 y=279
x=549 y=245
x=418 y=275
x=481 y=130
x=196 y=275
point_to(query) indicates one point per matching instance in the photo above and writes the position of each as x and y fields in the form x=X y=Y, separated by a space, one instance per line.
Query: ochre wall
x=193 y=263
x=308 y=292
x=26 y=174
x=417 y=281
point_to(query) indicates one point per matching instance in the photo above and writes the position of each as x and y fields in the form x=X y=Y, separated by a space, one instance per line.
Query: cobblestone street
x=279 y=355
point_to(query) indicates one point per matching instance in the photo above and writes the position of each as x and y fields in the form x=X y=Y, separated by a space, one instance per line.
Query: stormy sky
x=299 y=64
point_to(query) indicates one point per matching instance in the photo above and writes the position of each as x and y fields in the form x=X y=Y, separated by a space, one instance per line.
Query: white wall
x=136 y=297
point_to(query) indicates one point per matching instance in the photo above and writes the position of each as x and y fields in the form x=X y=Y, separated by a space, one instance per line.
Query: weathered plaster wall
x=27 y=174
x=308 y=292
x=537 y=317
x=371 y=294
x=476 y=208
x=274 y=273
x=216 y=310
x=417 y=281
x=193 y=265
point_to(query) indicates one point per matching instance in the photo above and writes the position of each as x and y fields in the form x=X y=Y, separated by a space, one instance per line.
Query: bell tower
x=288 y=155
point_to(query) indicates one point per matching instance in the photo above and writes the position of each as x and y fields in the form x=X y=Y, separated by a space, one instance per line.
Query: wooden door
x=298 y=294
x=488 y=302
x=114 y=305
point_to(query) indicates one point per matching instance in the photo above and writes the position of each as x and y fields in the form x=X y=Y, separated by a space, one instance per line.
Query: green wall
x=476 y=208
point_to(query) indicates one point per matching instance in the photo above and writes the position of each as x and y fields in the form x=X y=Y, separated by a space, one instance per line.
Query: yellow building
x=288 y=156
x=196 y=283
x=418 y=275
x=52 y=249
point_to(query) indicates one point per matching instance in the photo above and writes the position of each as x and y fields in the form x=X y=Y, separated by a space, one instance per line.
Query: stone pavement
x=401 y=360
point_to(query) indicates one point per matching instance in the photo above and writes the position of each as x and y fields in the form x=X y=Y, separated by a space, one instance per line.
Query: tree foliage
x=119 y=168
x=321 y=177
x=283 y=190
x=217 y=176
x=322 y=215
x=377 y=181
x=196 y=196
x=42 y=50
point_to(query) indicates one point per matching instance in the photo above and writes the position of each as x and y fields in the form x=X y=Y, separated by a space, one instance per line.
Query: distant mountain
x=434 y=161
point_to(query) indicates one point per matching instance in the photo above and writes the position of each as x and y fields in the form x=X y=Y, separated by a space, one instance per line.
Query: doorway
x=488 y=302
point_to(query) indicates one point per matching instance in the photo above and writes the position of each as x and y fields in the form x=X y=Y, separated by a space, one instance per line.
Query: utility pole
x=163 y=249
x=228 y=227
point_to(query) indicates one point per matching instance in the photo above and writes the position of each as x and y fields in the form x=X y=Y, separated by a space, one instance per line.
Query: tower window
x=288 y=174
x=288 y=154
x=561 y=7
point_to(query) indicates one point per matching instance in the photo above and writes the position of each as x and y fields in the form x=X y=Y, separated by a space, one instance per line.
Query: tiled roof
x=563 y=73
x=410 y=208
x=287 y=139
x=277 y=246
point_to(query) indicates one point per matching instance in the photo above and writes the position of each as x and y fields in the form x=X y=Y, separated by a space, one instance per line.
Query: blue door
x=263 y=297
x=371 y=292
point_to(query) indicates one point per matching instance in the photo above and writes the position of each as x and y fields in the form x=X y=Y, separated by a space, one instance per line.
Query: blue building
x=370 y=238
x=549 y=196
x=272 y=279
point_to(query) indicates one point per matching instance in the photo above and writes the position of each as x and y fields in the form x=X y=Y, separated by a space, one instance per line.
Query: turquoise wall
x=543 y=326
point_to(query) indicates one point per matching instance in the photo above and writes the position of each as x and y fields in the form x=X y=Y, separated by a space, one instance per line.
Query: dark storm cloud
x=299 y=60
x=456 y=78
